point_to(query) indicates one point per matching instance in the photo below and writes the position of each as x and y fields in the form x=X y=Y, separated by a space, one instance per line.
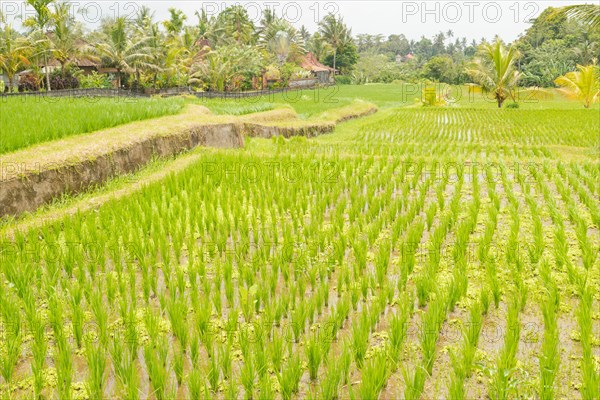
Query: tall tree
x=334 y=31
x=495 y=70
x=174 y=25
x=14 y=53
x=588 y=14
x=283 y=39
x=65 y=35
x=121 y=51
x=318 y=46
x=39 y=23
x=234 y=24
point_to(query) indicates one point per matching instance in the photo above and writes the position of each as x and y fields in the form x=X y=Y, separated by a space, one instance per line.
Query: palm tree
x=65 y=36
x=235 y=23
x=588 y=14
x=335 y=33
x=583 y=84
x=121 y=51
x=283 y=39
x=14 y=54
x=144 y=17
x=318 y=46
x=174 y=25
x=495 y=70
x=218 y=68
x=39 y=24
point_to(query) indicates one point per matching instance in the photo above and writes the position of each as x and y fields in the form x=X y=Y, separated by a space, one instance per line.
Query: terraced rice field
x=415 y=253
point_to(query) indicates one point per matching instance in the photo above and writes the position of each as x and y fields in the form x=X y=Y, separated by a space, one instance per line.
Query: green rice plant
x=314 y=355
x=260 y=357
x=493 y=282
x=130 y=379
x=501 y=382
x=550 y=358
x=96 y=361
x=430 y=213
x=157 y=370
x=77 y=314
x=225 y=358
x=375 y=373
x=590 y=378
x=64 y=365
x=39 y=349
x=178 y=364
x=330 y=384
x=203 y=312
x=289 y=377
x=177 y=311
x=382 y=262
x=248 y=376
x=398 y=330
x=456 y=389
x=195 y=384
x=430 y=330
x=265 y=389
x=276 y=348
x=360 y=339
x=232 y=390
x=214 y=371
x=414 y=382
x=470 y=335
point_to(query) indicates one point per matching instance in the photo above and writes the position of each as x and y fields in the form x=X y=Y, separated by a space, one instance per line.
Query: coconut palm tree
x=319 y=47
x=174 y=25
x=495 y=70
x=218 y=69
x=14 y=53
x=64 y=39
x=121 y=51
x=583 y=84
x=588 y=14
x=234 y=24
x=39 y=24
x=334 y=31
x=144 y=17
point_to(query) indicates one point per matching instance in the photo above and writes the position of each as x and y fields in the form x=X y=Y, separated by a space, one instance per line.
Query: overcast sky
x=473 y=19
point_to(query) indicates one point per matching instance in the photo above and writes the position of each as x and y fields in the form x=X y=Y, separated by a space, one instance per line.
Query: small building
x=86 y=65
x=323 y=73
x=404 y=59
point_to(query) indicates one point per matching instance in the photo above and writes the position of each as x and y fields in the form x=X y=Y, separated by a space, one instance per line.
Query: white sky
x=474 y=19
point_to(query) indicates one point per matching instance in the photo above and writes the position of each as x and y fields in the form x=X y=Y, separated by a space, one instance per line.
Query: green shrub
x=94 y=81
x=512 y=105
x=343 y=80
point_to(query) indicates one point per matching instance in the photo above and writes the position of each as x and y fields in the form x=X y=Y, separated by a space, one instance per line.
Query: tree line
x=229 y=51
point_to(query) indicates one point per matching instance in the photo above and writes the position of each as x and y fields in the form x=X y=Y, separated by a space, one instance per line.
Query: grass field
x=415 y=253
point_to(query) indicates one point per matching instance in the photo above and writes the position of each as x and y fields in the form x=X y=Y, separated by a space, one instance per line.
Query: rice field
x=30 y=120
x=416 y=254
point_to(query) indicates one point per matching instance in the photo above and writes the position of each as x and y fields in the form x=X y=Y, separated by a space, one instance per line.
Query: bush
x=343 y=80
x=94 y=81
x=512 y=105
x=29 y=83
x=60 y=83
x=431 y=98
